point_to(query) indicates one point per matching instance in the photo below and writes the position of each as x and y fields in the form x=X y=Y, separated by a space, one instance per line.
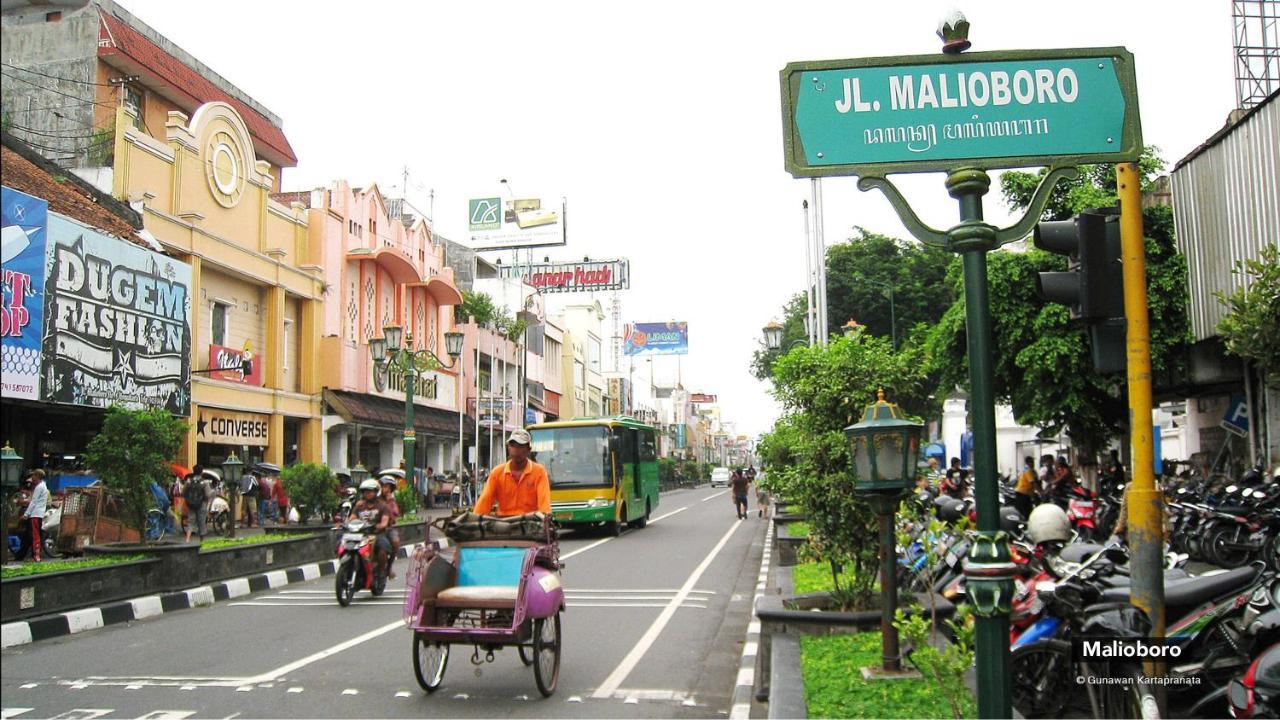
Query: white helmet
x=369 y=484
x=1048 y=522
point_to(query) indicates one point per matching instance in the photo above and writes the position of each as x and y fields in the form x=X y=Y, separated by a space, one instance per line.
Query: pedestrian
x=282 y=501
x=738 y=483
x=195 y=495
x=1025 y=489
x=1046 y=476
x=1112 y=473
x=266 y=499
x=762 y=501
x=956 y=482
x=428 y=479
x=178 y=506
x=34 y=514
x=249 y=492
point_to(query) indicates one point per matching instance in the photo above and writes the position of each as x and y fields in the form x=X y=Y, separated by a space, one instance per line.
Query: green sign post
x=995 y=109
x=966 y=114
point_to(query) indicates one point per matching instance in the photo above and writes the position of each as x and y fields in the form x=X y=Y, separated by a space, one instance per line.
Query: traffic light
x=1093 y=284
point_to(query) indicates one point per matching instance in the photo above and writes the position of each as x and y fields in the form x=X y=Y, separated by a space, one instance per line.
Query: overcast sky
x=660 y=122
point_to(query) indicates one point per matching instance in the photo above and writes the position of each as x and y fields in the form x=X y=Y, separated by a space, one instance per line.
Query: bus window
x=626 y=446
x=574 y=456
x=648 y=446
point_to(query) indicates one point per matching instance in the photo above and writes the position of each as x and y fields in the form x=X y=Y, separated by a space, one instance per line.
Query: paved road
x=654 y=628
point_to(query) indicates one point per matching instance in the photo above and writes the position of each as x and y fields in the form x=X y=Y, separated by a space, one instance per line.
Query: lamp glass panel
x=773 y=337
x=862 y=459
x=453 y=343
x=393 y=335
x=378 y=348
x=889 y=456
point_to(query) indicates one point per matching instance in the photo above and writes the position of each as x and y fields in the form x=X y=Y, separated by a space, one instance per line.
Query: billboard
x=669 y=338
x=702 y=399
x=564 y=277
x=231 y=361
x=117 y=322
x=25 y=222
x=497 y=224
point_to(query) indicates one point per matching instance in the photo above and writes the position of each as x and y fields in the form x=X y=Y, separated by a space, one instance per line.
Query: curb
x=25 y=632
x=744 y=687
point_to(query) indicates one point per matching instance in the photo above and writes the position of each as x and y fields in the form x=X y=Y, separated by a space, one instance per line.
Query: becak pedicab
x=496 y=585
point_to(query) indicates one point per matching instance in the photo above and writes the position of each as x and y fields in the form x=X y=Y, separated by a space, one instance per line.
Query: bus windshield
x=574 y=456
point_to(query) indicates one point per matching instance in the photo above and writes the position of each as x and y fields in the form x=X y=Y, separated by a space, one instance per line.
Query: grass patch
x=834 y=687
x=812 y=577
x=798 y=529
x=219 y=543
x=40 y=568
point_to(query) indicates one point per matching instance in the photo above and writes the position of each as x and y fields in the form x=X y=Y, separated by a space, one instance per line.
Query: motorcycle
x=1256 y=694
x=358 y=566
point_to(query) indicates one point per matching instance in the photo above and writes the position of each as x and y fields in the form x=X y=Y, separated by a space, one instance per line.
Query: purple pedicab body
x=493 y=592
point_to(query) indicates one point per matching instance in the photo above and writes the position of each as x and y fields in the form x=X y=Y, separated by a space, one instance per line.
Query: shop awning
x=389 y=414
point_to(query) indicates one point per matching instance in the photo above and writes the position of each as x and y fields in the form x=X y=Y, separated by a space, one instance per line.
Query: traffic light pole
x=1145 y=505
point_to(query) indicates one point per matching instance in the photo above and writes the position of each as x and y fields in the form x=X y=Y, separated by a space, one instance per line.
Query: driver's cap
x=520 y=436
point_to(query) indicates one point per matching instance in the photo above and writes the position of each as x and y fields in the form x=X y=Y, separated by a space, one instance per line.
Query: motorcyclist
x=371 y=509
x=388 y=498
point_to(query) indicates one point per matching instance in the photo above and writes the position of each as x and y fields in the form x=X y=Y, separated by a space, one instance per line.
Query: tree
x=132 y=451
x=1251 y=327
x=312 y=488
x=1095 y=188
x=480 y=306
x=823 y=390
x=1042 y=365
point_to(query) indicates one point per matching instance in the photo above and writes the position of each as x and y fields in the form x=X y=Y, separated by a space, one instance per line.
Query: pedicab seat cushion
x=478 y=596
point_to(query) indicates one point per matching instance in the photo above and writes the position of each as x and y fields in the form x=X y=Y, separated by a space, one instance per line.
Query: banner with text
x=227 y=427
x=669 y=338
x=117 y=322
x=232 y=362
x=494 y=223
x=25 y=222
x=564 y=277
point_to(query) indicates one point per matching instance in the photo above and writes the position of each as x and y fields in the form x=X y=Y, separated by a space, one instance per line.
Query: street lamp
x=359 y=474
x=232 y=469
x=10 y=478
x=773 y=337
x=388 y=355
x=884 y=447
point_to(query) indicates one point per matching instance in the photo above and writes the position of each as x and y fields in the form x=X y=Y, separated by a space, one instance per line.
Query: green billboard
x=873 y=116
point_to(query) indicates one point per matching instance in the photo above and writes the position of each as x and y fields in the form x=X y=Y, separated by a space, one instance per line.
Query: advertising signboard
x=25 y=222
x=924 y=113
x=669 y=338
x=702 y=399
x=227 y=427
x=564 y=277
x=494 y=223
x=117 y=322
x=232 y=359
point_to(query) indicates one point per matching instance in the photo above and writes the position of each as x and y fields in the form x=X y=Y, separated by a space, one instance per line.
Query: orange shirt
x=531 y=493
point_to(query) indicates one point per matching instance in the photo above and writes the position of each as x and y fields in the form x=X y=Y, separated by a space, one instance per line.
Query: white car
x=720 y=477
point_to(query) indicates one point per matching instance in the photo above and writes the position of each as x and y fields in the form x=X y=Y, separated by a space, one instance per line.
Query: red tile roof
x=121 y=39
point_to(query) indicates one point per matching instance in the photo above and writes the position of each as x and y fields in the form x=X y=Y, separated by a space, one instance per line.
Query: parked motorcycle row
x=1225 y=623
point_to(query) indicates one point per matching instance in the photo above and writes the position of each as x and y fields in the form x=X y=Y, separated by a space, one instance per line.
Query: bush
x=312 y=489
x=407 y=500
x=134 y=450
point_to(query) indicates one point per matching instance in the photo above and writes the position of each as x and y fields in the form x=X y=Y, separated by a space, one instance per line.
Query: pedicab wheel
x=546 y=653
x=526 y=653
x=344 y=585
x=429 y=662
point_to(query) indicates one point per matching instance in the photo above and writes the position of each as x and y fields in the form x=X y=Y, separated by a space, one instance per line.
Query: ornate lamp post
x=885 y=446
x=773 y=337
x=232 y=470
x=10 y=478
x=389 y=355
x=359 y=474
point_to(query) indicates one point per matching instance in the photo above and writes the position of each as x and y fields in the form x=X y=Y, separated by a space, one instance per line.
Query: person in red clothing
x=282 y=499
x=517 y=486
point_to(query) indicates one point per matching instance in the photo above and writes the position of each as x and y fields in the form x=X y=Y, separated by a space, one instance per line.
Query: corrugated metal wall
x=1226 y=205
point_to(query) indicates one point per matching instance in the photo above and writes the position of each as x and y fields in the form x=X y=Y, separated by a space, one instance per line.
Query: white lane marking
x=79 y=686
x=712 y=497
x=402 y=694
x=82 y=714
x=6 y=713
x=187 y=687
x=663 y=517
x=650 y=694
x=28 y=686
x=667 y=596
x=15 y=633
x=295 y=689
x=244 y=688
x=629 y=662
x=461 y=696
x=638 y=605
x=81 y=620
x=581 y=550
x=265 y=602
x=631 y=701
x=574 y=699
x=145 y=607
x=168 y=715
x=637 y=590
x=351 y=691
x=273 y=675
x=135 y=686
x=329 y=593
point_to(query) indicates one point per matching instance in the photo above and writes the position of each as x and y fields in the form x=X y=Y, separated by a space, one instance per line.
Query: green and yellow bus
x=604 y=471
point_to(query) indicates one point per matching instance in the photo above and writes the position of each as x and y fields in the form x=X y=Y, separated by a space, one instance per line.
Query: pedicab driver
x=517 y=486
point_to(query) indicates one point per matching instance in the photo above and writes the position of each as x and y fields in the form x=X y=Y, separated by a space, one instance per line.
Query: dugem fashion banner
x=117 y=322
x=670 y=338
x=25 y=222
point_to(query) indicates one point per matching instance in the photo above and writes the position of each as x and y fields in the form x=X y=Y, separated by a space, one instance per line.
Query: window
x=579 y=374
x=648 y=446
x=52 y=17
x=219 y=312
x=133 y=101
x=594 y=354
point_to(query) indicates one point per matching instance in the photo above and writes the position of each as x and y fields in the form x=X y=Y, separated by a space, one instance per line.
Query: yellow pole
x=1146 y=504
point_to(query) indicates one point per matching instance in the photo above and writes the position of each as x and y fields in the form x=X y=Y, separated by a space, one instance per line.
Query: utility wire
x=61 y=136
x=51 y=107
x=58 y=92
x=57 y=77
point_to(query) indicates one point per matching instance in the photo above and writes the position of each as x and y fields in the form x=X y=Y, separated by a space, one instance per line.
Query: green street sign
x=925 y=113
